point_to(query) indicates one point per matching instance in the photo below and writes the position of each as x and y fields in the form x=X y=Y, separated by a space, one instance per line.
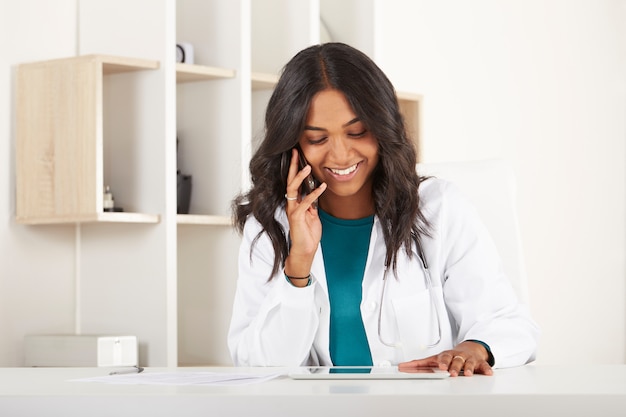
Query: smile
x=346 y=171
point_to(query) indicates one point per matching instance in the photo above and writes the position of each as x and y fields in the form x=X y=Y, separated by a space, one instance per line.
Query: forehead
x=329 y=107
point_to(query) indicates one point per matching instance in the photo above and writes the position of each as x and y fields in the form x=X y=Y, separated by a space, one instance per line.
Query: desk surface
x=528 y=390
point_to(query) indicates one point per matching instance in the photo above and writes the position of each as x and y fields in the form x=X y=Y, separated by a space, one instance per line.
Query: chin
x=344 y=192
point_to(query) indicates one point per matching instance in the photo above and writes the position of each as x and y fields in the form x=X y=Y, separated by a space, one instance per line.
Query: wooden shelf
x=192 y=73
x=402 y=96
x=116 y=64
x=201 y=219
x=110 y=64
x=262 y=81
x=104 y=217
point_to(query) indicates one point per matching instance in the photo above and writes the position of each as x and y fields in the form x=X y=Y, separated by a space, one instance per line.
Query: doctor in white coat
x=348 y=256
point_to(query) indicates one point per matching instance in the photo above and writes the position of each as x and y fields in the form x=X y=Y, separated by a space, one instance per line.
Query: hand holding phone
x=309 y=183
x=305 y=227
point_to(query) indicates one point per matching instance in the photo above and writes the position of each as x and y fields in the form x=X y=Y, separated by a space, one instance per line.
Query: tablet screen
x=365 y=372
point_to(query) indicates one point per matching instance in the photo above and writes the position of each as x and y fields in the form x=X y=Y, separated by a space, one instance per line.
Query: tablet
x=366 y=372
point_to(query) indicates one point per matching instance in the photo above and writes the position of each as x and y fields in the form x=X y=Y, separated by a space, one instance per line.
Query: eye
x=316 y=141
x=358 y=134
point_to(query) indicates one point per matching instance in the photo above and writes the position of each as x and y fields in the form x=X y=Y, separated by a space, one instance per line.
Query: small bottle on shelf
x=108 y=203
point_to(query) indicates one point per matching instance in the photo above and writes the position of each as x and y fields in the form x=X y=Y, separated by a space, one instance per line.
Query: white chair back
x=490 y=186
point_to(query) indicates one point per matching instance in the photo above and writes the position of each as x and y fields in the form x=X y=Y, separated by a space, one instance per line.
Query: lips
x=346 y=171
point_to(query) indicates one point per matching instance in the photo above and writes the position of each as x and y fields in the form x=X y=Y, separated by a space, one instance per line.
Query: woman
x=348 y=256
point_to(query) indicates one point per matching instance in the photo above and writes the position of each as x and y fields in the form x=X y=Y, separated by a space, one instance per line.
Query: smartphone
x=309 y=183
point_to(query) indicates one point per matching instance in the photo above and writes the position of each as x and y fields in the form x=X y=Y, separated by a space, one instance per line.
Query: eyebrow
x=351 y=122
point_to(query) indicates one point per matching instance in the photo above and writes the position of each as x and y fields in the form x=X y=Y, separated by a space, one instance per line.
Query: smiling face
x=342 y=153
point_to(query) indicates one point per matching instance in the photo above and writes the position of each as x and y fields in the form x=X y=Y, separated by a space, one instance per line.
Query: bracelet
x=288 y=278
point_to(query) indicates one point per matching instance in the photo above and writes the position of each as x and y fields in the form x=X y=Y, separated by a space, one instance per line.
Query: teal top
x=345 y=244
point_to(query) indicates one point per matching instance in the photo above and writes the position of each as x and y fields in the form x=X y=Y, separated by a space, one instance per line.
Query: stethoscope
x=433 y=301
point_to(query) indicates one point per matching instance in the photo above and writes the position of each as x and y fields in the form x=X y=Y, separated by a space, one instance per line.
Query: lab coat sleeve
x=477 y=293
x=273 y=322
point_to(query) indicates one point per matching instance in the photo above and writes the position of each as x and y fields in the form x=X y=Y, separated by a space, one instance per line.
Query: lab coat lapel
x=318 y=271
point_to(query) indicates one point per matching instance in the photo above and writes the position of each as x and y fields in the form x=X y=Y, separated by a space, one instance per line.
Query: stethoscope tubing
x=433 y=300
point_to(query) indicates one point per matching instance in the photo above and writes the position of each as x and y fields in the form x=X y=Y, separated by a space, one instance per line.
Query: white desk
x=525 y=391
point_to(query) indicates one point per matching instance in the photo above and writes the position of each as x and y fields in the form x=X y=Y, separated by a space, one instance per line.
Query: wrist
x=489 y=356
x=298 y=266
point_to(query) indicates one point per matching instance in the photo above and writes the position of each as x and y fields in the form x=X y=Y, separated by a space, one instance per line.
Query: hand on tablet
x=469 y=357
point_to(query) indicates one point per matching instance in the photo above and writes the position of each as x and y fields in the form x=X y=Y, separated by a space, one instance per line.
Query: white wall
x=543 y=84
x=36 y=263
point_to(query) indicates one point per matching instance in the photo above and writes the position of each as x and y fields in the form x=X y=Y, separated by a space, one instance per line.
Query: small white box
x=184 y=53
x=80 y=350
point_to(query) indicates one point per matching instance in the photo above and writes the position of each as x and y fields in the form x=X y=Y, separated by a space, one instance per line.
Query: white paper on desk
x=182 y=378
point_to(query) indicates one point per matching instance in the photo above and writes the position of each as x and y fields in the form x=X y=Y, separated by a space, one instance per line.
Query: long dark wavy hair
x=372 y=97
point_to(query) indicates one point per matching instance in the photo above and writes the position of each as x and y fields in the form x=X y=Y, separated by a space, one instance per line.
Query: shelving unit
x=59 y=155
x=107 y=120
x=187 y=73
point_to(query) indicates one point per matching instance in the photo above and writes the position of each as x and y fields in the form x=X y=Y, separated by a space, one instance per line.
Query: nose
x=339 y=149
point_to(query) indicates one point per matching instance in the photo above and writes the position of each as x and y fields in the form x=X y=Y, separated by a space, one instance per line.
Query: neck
x=347 y=208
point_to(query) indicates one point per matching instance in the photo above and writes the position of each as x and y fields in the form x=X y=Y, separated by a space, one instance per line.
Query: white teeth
x=344 y=171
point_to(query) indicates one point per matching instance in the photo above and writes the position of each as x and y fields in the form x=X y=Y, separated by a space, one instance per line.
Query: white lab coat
x=277 y=324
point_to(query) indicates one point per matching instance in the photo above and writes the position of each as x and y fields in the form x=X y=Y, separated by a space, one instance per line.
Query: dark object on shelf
x=183 y=183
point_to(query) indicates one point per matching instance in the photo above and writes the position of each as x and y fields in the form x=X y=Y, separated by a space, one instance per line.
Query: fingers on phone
x=317 y=192
x=310 y=199
x=293 y=165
